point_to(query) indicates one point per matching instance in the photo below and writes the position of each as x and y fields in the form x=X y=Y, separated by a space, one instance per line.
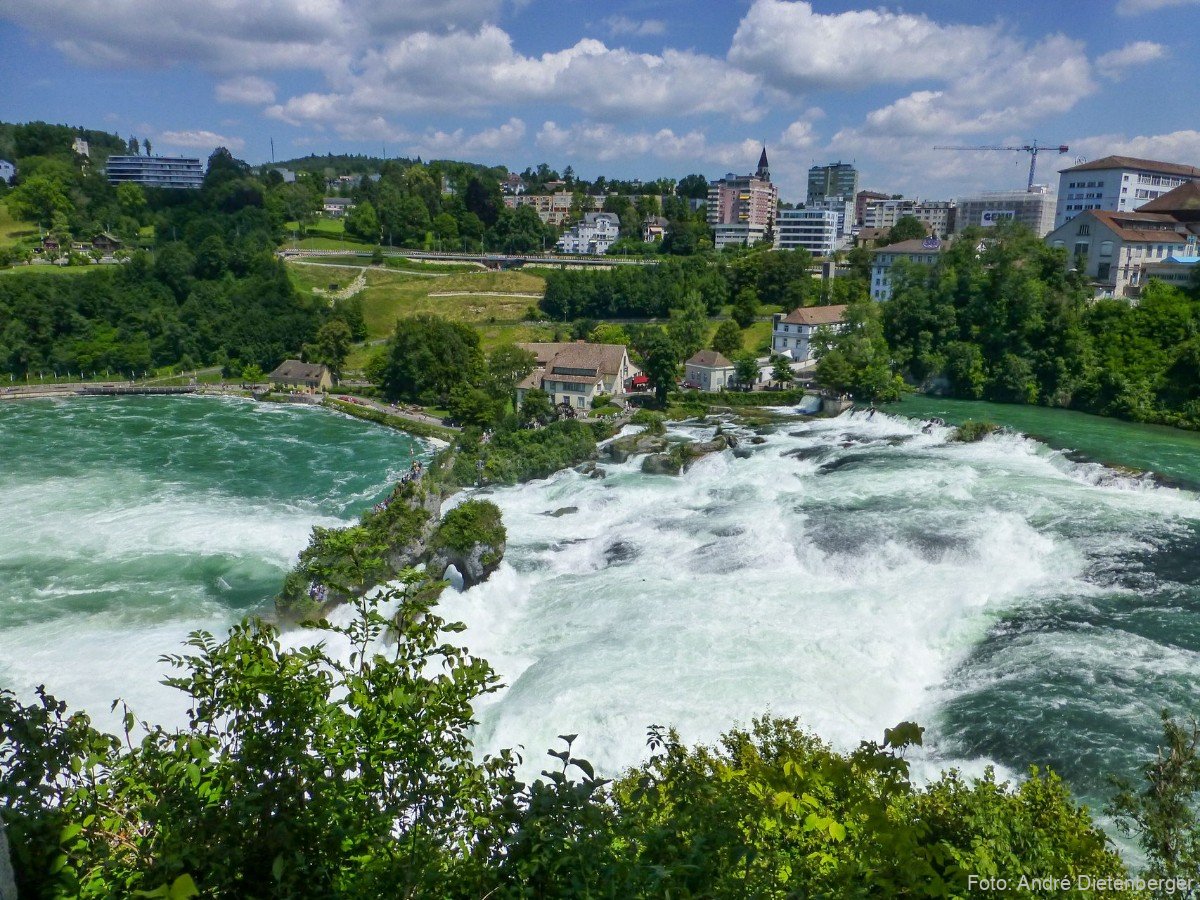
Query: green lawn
x=49 y=271
x=14 y=231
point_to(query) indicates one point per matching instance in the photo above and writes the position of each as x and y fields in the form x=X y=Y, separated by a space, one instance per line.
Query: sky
x=625 y=88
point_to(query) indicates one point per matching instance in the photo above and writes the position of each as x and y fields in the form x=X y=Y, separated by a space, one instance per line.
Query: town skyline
x=651 y=88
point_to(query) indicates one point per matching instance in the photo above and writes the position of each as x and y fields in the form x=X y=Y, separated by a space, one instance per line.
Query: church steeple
x=764 y=172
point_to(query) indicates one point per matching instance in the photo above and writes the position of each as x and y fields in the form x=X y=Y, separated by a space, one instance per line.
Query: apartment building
x=837 y=179
x=1117 y=183
x=814 y=230
x=176 y=172
x=741 y=209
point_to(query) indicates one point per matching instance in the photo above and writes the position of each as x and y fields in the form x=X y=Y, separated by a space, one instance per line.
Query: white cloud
x=478 y=70
x=247 y=89
x=790 y=45
x=1137 y=7
x=200 y=140
x=623 y=25
x=1113 y=63
x=501 y=139
x=1176 y=146
x=234 y=35
x=1042 y=80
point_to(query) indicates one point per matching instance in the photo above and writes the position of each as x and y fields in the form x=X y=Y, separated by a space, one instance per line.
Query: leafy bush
x=470 y=523
x=971 y=431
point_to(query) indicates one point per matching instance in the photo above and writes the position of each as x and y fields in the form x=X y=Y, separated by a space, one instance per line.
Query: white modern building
x=1117 y=183
x=924 y=253
x=791 y=335
x=844 y=209
x=7 y=171
x=594 y=235
x=80 y=147
x=156 y=171
x=1120 y=251
x=814 y=230
x=1033 y=209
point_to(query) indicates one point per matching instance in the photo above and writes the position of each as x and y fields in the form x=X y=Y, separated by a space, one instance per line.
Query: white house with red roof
x=791 y=335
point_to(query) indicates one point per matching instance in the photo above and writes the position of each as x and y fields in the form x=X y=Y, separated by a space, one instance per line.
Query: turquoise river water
x=1023 y=604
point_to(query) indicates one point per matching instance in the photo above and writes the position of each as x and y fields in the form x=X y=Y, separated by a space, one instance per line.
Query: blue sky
x=630 y=88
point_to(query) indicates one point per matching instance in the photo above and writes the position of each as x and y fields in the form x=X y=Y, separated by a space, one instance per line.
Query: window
x=1106 y=248
x=1103 y=270
x=1081 y=248
x=1084 y=230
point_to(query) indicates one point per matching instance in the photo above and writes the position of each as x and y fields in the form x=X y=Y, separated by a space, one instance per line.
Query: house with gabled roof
x=572 y=374
x=791 y=335
x=1120 y=251
x=709 y=370
x=294 y=375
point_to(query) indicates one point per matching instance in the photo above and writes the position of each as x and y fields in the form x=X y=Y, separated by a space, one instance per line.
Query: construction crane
x=1032 y=149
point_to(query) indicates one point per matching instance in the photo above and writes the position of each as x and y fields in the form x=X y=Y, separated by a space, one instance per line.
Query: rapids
x=855 y=572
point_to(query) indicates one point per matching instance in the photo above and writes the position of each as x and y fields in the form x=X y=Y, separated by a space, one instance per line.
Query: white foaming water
x=842 y=585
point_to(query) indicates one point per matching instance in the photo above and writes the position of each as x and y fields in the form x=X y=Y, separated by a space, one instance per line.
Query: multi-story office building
x=861 y=199
x=1118 y=183
x=938 y=216
x=1033 y=209
x=885 y=213
x=742 y=208
x=838 y=179
x=156 y=171
x=814 y=230
x=840 y=206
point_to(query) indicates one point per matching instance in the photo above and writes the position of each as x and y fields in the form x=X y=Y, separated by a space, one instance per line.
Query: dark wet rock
x=633 y=445
x=562 y=511
x=757 y=439
x=730 y=531
x=662 y=464
x=619 y=552
x=598 y=472
x=806 y=452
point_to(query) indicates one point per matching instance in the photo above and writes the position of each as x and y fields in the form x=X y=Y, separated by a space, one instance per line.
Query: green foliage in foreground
x=304 y=773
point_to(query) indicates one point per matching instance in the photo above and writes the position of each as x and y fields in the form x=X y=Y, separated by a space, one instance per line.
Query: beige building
x=572 y=374
x=1120 y=251
x=293 y=375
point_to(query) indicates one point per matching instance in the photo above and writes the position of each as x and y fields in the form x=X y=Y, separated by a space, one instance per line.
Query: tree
x=660 y=361
x=694 y=187
x=745 y=307
x=745 y=370
x=331 y=346
x=536 y=407
x=363 y=223
x=212 y=258
x=429 y=355
x=39 y=199
x=507 y=365
x=856 y=359
x=132 y=199
x=472 y=406
x=782 y=372
x=609 y=333
x=688 y=326
x=146 y=145
x=134 y=147
x=907 y=228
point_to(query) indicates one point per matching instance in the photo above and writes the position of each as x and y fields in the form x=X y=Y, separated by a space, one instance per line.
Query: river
x=126 y=523
x=1024 y=606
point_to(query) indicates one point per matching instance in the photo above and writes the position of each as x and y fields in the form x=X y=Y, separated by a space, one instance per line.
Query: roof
x=1133 y=162
x=606 y=359
x=916 y=245
x=816 y=315
x=709 y=359
x=1186 y=197
x=294 y=370
x=1155 y=228
x=570 y=379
